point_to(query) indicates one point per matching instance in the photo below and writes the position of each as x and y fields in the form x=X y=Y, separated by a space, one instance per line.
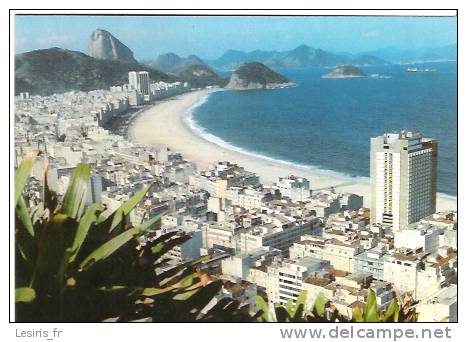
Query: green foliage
x=125 y=209
x=319 y=306
x=22 y=174
x=370 y=313
x=24 y=295
x=86 y=267
x=298 y=312
x=324 y=311
x=396 y=312
x=263 y=309
x=84 y=225
x=75 y=197
x=392 y=313
x=22 y=214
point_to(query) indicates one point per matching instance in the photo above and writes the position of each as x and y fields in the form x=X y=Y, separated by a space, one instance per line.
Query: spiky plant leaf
x=175 y=274
x=50 y=197
x=75 y=197
x=197 y=281
x=320 y=304
x=24 y=236
x=392 y=313
x=24 y=217
x=289 y=307
x=149 y=223
x=264 y=308
x=37 y=212
x=299 y=308
x=85 y=223
x=53 y=242
x=152 y=291
x=163 y=247
x=357 y=315
x=370 y=313
x=22 y=174
x=227 y=310
x=108 y=248
x=184 y=279
x=116 y=218
x=198 y=299
x=282 y=314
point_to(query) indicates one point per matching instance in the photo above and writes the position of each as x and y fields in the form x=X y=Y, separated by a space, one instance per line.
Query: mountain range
x=303 y=56
x=191 y=69
x=201 y=76
x=172 y=63
x=109 y=60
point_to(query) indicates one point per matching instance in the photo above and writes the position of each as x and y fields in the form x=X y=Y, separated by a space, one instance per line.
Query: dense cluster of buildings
x=273 y=240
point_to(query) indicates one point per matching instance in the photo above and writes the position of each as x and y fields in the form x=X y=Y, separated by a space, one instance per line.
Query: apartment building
x=341 y=255
x=403 y=178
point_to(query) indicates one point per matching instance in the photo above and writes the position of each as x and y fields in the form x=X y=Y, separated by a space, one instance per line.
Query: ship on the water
x=420 y=70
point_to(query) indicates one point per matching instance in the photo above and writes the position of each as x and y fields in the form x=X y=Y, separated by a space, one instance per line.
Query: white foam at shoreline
x=193 y=126
x=447 y=196
x=200 y=131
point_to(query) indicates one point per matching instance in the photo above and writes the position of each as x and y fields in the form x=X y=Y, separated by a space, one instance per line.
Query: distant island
x=344 y=71
x=255 y=75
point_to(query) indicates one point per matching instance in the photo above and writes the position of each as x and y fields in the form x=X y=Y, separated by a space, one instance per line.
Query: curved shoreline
x=167 y=124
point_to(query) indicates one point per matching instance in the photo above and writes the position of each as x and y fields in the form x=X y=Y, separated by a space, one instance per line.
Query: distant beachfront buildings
x=143 y=82
x=133 y=80
x=139 y=80
x=403 y=178
x=141 y=90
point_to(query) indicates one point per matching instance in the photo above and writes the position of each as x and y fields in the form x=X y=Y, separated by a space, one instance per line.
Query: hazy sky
x=210 y=37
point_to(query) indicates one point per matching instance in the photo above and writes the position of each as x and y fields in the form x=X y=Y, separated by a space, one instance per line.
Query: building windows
x=287 y=275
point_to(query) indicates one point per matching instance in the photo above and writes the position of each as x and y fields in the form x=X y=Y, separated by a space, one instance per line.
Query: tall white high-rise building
x=133 y=80
x=403 y=178
x=143 y=82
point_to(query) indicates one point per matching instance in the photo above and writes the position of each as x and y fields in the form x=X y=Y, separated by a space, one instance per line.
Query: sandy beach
x=164 y=125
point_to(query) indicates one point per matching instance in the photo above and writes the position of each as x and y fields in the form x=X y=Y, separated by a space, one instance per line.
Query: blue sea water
x=327 y=123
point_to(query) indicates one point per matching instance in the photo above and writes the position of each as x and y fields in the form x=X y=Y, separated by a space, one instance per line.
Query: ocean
x=326 y=124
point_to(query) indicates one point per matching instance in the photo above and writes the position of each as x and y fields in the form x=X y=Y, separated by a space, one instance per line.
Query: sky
x=210 y=37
